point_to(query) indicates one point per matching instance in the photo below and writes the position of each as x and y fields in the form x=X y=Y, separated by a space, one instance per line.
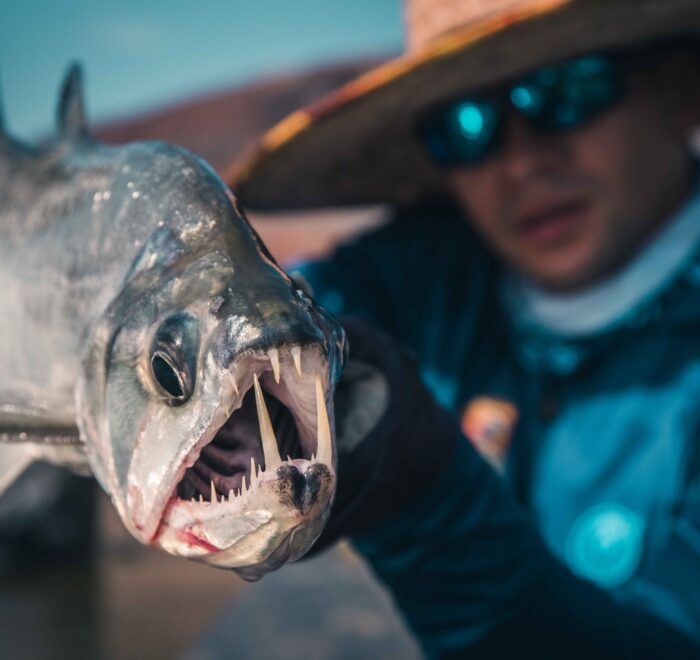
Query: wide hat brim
x=358 y=146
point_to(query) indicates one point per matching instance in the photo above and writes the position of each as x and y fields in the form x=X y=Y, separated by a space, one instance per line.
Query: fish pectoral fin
x=57 y=445
x=14 y=459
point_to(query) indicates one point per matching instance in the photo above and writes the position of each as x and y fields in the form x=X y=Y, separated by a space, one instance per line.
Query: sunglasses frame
x=435 y=134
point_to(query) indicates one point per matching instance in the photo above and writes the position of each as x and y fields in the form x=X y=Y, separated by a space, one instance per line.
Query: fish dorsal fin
x=71 y=108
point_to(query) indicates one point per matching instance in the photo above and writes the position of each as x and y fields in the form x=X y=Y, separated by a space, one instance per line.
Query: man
x=559 y=323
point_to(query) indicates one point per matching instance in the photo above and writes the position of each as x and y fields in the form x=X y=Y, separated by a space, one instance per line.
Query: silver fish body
x=140 y=311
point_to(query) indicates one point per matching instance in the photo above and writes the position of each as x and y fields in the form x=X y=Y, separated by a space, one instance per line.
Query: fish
x=149 y=338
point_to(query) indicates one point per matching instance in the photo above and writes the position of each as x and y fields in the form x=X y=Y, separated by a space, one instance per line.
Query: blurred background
x=211 y=76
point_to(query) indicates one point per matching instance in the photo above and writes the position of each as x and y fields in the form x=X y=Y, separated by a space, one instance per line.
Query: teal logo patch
x=605 y=544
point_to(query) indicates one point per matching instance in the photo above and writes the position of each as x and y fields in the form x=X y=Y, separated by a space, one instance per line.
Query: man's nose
x=525 y=152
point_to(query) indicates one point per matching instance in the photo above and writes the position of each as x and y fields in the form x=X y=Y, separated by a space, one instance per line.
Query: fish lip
x=150 y=528
x=189 y=529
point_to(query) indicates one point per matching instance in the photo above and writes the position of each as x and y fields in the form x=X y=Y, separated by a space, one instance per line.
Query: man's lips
x=549 y=224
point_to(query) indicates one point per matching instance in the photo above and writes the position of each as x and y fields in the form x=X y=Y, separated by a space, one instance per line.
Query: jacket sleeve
x=473 y=579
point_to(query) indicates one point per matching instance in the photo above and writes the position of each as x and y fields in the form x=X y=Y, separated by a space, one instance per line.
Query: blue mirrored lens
x=470 y=128
x=471 y=121
x=527 y=98
x=576 y=92
x=462 y=133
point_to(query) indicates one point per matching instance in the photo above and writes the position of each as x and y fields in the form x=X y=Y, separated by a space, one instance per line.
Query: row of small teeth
x=274 y=356
x=273 y=460
x=243 y=490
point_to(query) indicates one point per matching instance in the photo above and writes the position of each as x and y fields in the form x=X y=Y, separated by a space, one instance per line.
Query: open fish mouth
x=263 y=472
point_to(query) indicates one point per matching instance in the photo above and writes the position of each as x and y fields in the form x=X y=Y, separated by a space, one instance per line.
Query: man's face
x=567 y=209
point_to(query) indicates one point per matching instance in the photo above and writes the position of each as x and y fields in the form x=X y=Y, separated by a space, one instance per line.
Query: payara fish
x=144 y=328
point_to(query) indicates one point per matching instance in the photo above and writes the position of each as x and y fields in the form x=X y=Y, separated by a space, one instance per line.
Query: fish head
x=206 y=396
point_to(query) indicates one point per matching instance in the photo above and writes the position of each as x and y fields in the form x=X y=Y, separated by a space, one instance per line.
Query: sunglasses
x=553 y=99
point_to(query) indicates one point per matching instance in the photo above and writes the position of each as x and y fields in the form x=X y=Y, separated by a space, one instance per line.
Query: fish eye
x=167 y=376
x=174 y=357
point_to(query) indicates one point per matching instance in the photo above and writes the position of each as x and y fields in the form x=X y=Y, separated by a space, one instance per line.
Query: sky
x=141 y=54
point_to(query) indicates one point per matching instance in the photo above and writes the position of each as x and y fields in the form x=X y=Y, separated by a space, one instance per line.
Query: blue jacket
x=605 y=460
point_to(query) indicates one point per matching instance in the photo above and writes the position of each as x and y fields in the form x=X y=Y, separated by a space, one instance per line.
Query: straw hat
x=358 y=145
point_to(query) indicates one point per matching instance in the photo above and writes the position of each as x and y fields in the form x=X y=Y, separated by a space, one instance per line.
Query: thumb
x=361 y=399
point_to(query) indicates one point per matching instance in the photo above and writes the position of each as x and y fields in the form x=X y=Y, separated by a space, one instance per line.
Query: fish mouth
x=251 y=483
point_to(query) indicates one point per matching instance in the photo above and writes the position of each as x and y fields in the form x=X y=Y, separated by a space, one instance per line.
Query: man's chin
x=564 y=273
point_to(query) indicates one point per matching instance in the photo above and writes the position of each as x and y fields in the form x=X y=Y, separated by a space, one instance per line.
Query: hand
x=393 y=438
